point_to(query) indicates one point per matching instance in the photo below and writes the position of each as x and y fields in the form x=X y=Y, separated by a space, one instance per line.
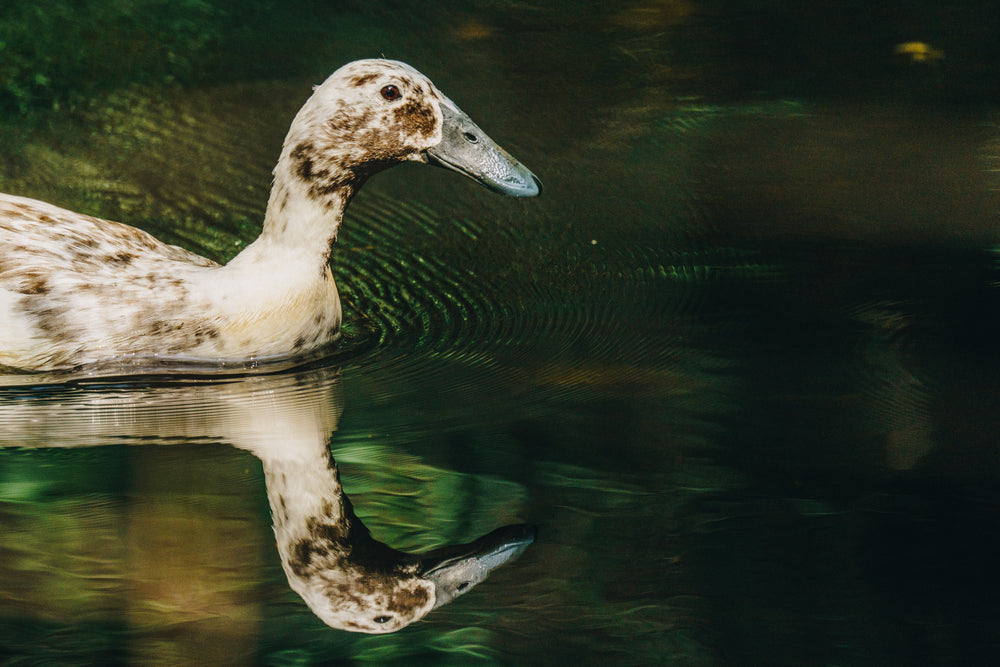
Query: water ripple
x=428 y=293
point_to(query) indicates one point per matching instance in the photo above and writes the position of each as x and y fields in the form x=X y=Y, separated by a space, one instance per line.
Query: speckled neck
x=299 y=222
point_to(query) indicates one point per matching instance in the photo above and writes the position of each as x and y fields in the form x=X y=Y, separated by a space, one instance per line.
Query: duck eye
x=391 y=93
x=382 y=619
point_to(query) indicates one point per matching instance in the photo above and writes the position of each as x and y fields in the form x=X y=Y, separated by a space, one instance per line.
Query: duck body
x=77 y=290
x=96 y=290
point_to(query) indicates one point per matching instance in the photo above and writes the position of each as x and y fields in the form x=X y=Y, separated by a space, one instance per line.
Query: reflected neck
x=315 y=527
x=305 y=493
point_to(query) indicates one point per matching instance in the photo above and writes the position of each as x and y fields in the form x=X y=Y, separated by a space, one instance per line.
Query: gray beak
x=466 y=149
x=455 y=570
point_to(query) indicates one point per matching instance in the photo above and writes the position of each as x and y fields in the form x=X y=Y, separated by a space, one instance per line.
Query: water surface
x=737 y=363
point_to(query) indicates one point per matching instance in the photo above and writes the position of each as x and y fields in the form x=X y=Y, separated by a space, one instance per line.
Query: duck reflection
x=350 y=580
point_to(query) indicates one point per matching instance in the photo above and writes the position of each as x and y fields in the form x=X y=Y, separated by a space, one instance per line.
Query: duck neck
x=300 y=221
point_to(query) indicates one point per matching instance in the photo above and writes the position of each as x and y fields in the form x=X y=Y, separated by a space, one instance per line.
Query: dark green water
x=737 y=363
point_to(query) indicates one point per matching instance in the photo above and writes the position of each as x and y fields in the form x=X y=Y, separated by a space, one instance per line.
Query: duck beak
x=455 y=570
x=466 y=149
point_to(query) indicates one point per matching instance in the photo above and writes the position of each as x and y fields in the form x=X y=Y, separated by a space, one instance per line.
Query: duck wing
x=71 y=282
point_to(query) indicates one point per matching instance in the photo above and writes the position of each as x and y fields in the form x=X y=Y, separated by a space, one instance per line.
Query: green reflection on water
x=60 y=53
x=127 y=555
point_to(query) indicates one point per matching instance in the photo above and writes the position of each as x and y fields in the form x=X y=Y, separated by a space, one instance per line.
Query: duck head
x=372 y=114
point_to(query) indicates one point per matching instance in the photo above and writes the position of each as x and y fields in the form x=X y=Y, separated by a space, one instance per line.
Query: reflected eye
x=382 y=619
x=392 y=94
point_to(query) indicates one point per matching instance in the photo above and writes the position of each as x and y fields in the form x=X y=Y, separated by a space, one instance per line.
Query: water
x=736 y=363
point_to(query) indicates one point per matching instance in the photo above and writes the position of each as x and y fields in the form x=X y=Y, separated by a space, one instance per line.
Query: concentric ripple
x=431 y=293
x=417 y=299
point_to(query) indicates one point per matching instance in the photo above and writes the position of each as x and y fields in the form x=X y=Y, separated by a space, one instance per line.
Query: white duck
x=77 y=290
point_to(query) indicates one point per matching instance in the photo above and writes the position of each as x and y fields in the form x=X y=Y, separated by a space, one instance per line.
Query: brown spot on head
x=416 y=118
x=362 y=79
x=345 y=123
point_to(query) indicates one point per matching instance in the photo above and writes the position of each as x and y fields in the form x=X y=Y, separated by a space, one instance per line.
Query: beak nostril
x=470 y=137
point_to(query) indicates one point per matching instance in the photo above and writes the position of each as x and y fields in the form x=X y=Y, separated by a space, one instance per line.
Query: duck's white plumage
x=78 y=290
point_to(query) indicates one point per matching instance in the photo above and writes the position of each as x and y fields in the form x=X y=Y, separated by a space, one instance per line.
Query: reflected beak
x=455 y=570
x=466 y=149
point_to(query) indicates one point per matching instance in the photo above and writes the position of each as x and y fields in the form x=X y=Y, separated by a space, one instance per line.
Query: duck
x=79 y=291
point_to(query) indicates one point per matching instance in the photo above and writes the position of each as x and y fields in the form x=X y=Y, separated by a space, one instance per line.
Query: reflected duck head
x=353 y=582
x=372 y=114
